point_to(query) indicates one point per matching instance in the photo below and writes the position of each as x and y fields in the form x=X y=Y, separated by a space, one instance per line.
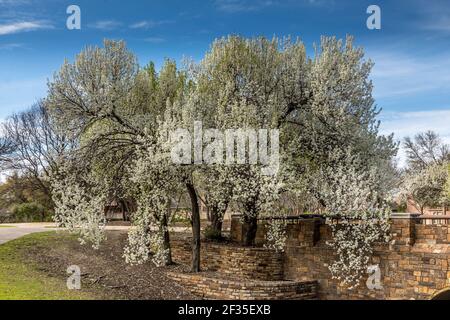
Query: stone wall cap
x=404 y=215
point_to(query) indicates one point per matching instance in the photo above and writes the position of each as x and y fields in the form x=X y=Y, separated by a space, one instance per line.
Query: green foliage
x=212 y=234
x=180 y=217
x=30 y=212
x=22 y=201
x=402 y=207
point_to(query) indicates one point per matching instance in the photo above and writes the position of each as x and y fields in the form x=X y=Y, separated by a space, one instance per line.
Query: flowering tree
x=426 y=186
x=320 y=105
x=79 y=202
x=321 y=110
x=156 y=180
x=248 y=84
x=424 y=180
x=216 y=185
x=154 y=183
x=358 y=216
x=351 y=172
x=116 y=108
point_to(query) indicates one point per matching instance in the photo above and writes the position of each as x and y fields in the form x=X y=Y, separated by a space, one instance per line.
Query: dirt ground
x=104 y=271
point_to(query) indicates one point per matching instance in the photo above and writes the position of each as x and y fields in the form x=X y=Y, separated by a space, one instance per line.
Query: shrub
x=212 y=234
x=29 y=212
x=180 y=218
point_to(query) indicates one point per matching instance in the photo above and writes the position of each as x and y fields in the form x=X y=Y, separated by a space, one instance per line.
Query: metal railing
x=434 y=219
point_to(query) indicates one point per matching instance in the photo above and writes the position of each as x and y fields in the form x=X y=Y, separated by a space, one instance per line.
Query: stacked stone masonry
x=245 y=263
x=415 y=265
x=213 y=287
x=233 y=272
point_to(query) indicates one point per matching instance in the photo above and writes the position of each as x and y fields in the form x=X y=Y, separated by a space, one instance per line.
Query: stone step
x=215 y=286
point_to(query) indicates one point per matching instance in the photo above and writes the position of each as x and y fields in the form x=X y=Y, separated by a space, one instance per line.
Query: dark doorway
x=445 y=295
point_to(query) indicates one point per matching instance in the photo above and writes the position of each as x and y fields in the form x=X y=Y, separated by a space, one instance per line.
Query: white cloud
x=24 y=26
x=435 y=17
x=442 y=24
x=140 y=25
x=14 y=2
x=148 y=24
x=106 y=25
x=232 y=6
x=154 y=40
x=11 y=46
x=404 y=124
x=400 y=74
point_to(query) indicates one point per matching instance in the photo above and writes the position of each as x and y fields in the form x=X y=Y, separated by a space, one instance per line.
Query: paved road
x=14 y=231
x=17 y=230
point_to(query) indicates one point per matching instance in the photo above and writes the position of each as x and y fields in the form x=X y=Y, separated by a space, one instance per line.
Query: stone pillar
x=403 y=228
x=236 y=228
x=304 y=232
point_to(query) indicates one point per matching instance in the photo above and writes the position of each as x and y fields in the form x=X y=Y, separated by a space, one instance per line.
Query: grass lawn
x=21 y=280
x=34 y=268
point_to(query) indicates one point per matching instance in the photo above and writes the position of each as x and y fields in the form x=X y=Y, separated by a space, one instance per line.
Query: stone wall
x=234 y=272
x=211 y=287
x=432 y=234
x=415 y=265
x=245 y=263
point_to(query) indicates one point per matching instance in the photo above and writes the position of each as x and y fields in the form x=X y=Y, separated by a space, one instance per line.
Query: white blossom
x=357 y=214
x=79 y=204
x=426 y=186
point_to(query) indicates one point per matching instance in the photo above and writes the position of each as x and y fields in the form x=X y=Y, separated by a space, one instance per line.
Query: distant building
x=119 y=210
x=413 y=207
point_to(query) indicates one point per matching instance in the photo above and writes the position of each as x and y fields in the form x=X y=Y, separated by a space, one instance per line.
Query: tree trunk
x=123 y=208
x=249 y=231
x=127 y=211
x=166 y=244
x=195 y=220
x=216 y=221
x=208 y=214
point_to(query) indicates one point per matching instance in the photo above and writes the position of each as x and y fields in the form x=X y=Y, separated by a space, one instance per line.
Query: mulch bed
x=104 y=271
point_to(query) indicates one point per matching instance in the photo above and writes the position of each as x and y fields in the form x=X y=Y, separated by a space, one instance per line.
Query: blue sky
x=411 y=51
